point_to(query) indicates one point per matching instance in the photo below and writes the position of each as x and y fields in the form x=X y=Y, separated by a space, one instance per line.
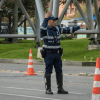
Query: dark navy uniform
x=52 y=37
x=48 y=34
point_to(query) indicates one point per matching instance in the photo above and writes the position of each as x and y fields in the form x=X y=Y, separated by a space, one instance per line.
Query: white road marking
x=29 y=96
x=34 y=89
x=23 y=88
x=75 y=93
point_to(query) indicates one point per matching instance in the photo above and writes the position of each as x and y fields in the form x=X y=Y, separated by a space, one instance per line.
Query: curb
x=21 y=61
x=88 y=63
x=41 y=62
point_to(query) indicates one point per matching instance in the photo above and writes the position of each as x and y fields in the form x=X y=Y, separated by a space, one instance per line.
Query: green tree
x=83 y=6
x=8 y=7
x=64 y=1
x=28 y=4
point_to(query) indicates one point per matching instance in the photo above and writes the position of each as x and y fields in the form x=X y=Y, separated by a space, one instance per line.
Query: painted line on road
x=22 y=88
x=28 y=96
x=36 y=89
x=76 y=93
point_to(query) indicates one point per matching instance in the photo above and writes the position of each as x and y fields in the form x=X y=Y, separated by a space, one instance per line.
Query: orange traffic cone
x=30 y=70
x=96 y=84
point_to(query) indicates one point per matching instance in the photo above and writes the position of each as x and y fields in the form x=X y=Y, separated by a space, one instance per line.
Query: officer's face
x=52 y=23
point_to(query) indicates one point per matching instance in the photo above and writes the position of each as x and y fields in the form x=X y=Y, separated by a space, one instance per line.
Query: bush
x=66 y=37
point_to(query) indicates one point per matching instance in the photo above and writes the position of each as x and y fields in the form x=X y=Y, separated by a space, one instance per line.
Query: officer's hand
x=48 y=14
x=83 y=26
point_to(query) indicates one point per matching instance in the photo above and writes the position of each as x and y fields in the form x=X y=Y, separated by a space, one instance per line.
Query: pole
x=0 y=19
x=16 y=36
x=51 y=5
x=37 y=25
x=9 y=22
x=26 y=14
x=55 y=9
x=1 y=3
x=81 y=12
x=15 y=29
x=90 y=19
x=40 y=10
x=97 y=20
x=87 y=32
x=64 y=10
x=25 y=31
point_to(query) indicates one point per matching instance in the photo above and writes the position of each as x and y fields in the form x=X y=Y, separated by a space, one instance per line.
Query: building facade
x=71 y=9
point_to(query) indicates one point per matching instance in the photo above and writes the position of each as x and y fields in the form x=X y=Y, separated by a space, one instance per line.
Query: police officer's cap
x=52 y=17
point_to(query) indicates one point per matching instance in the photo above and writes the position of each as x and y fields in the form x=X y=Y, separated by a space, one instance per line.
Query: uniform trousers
x=53 y=59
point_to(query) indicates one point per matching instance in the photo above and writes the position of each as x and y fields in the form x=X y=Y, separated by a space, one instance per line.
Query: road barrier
x=96 y=84
x=30 y=70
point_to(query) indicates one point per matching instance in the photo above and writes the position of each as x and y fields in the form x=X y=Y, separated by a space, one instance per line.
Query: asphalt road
x=14 y=85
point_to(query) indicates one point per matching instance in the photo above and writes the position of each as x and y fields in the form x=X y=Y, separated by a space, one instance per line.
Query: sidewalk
x=41 y=62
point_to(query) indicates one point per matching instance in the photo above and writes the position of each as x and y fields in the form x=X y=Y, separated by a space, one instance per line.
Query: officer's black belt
x=48 y=43
x=52 y=51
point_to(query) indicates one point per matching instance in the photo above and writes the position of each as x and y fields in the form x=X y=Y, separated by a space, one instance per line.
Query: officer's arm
x=68 y=30
x=43 y=28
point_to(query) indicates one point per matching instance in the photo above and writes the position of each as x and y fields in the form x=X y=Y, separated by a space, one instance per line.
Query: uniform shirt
x=48 y=34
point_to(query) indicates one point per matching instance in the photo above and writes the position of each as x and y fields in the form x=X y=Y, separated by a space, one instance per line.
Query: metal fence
x=54 y=7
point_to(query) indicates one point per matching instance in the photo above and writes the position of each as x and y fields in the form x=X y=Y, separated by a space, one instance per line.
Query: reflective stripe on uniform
x=49 y=47
x=61 y=30
x=49 y=41
x=51 y=37
x=44 y=28
x=71 y=29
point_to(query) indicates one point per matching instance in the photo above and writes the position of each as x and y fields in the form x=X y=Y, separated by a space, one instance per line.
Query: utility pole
x=25 y=27
x=15 y=28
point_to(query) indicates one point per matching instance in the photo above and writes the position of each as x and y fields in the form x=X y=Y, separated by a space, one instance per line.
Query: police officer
x=52 y=50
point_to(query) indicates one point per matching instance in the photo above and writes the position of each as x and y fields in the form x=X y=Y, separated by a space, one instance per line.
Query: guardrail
x=16 y=36
x=87 y=32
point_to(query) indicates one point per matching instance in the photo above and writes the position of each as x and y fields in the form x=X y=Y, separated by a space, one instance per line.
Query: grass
x=74 y=50
x=17 y=50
